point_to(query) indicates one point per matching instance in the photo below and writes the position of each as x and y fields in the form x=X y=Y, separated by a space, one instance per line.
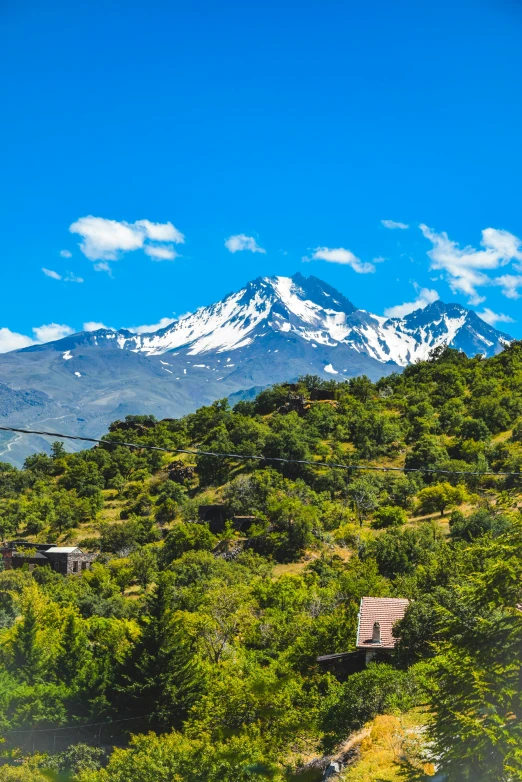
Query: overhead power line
x=76 y=727
x=331 y=465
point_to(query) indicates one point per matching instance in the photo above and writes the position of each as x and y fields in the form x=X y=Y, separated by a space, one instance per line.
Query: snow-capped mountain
x=273 y=329
x=316 y=313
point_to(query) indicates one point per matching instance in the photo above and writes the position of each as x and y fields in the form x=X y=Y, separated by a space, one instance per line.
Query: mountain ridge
x=272 y=330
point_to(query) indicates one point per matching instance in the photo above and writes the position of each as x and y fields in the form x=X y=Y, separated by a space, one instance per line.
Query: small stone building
x=377 y=615
x=67 y=560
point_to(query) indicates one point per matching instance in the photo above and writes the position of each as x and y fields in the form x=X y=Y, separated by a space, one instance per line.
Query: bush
x=78 y=758
x=516 y=434
x=388 y=516
x=23 y=773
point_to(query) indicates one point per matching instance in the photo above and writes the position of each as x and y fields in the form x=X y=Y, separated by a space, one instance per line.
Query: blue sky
x=296 y=128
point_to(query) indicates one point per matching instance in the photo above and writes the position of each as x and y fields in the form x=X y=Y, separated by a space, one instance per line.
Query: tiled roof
x=386 y=611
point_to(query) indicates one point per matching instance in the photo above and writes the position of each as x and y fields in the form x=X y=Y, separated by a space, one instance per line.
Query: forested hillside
x=205 y=636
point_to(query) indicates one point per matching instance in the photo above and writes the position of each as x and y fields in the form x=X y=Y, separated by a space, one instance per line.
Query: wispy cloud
x=107 y=240
x=51 y=274
x=65 y=254
x=494 y=317
x=393 y=225
x=146 y=329
x=344 y=257
x=240 y=242
x=94 y=325
x=159 y=253
x=466 y=268
x=425 y=296
x=69 y=277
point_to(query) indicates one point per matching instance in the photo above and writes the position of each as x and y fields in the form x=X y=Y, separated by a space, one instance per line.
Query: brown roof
x=386 y=611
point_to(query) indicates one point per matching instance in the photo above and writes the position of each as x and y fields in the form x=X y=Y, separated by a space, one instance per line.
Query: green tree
x=417 y=631
x=144 y=564
x=161 y=677
x=27 y=654
x=398 y=552
x=477 y=524
x=478 y=698
x=365 y=496
x=213 y=470
x=73 y=654
x=427 y=453
x=441 y=496
x=189 y=536
x=361 y=388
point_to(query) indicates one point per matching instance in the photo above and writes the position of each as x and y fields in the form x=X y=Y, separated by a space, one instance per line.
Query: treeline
x=212 y=638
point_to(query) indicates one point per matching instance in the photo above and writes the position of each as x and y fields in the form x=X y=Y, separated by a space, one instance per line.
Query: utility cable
x=331 y=465
x=77 y=727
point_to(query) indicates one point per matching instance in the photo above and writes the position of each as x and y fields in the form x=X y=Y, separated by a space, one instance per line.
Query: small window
x=75 y=566
x=84 y=565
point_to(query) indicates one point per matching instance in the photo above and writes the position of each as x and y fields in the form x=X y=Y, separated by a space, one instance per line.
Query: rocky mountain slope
x=274 y=329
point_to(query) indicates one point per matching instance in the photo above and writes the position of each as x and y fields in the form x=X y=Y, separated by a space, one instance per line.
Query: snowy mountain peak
x=307 y=307
x=310 y=311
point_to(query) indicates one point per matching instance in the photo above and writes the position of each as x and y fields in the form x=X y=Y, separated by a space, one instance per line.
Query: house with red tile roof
x=377 y=615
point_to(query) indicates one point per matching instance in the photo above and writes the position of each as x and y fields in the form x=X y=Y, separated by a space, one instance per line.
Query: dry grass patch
x=393 y=751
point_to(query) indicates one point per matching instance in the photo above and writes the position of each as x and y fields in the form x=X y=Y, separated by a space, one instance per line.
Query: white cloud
x=93 y=325
x=391 y=224
x=158 y=253
x=344 y=257
x=51 y=332
x=162 y=323
x=161 y=232
x=510 y=283
x=425 y=296
x=240 y=242
x=494 y=317
x=72 y=278
x=466 y=268
x=65 y=254
x=51 y=274
x=10 y=340
x=103 y=266
x=106 y=240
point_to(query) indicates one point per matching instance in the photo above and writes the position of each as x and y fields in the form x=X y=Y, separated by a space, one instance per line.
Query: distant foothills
x=272 y=330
